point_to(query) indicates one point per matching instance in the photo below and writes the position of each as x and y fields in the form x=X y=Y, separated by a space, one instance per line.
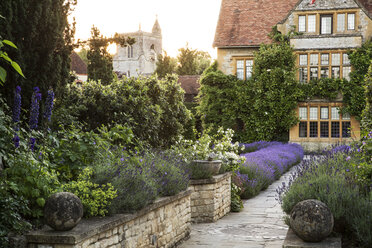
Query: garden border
x=126 y=229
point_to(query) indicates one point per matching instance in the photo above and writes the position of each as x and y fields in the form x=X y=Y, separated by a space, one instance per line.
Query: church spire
x=156 y=28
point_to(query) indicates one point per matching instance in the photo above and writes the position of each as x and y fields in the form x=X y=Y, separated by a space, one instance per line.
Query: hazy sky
x=181 y=21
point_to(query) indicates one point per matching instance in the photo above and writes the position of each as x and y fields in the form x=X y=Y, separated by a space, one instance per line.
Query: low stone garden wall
x=164 y=223
x=211 y=198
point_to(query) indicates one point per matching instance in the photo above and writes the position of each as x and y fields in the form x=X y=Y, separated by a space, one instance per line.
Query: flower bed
x=265 y=165
x=342 y=179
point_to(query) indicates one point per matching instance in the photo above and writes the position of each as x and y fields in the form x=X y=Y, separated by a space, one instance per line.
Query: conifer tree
x=44 y=37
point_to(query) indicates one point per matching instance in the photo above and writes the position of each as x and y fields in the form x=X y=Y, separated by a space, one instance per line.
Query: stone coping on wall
x=93 y=226
x=215 y=179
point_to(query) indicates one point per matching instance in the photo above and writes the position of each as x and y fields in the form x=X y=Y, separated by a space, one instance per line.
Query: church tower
x=140 y=58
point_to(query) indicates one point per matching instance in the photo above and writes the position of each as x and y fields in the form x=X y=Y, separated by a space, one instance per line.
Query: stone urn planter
x=203 y=169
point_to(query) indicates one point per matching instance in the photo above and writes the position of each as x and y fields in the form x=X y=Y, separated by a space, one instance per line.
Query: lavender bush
x=265 y=165
x=258 y=145
x=141 y=178
x=334 y=179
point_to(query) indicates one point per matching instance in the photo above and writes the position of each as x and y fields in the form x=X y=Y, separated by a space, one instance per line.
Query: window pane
x=324 y=72
x=240 y=74
x=335 y=115
x=324 y=113
x=314 y=59
x=345 y=59
x=346 y=116
x=303 y=59
x=346 y=129
x=249 y=67
x=346 y=72
x=303 y=74
x=303 y=113
x=335 y=129
x=324 y=129
x=326 y=25
x=301 y=23
x=336 y=58
x=313 y=113
x=313 y=129
x=340 y=22
x=324 y=58
x=350 y=21
x=335 y=72
x=303 y=129
x=240 y=64
x=311 y=23
x=313 y=73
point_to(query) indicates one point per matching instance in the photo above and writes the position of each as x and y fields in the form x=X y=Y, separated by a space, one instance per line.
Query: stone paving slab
x=259 y=225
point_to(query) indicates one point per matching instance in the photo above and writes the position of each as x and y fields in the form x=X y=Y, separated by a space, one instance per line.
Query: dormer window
x=307 y=23
x=326 y=24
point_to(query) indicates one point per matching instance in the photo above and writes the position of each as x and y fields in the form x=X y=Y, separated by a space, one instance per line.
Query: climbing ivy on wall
x=262 y=108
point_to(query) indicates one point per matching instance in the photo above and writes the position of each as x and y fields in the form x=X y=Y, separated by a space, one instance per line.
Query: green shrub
x=95 y=198
x=153 y=108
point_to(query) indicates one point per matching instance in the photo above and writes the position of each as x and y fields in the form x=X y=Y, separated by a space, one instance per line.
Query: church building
x=328 y=29
x=139 y=58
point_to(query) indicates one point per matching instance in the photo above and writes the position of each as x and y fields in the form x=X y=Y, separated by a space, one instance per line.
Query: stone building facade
x=328 y=29
x=139 y=58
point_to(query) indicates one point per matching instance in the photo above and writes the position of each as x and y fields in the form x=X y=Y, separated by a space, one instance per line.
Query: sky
x=182 y=21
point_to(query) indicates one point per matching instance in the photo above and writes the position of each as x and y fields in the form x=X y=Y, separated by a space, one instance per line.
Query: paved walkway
x=259 y=225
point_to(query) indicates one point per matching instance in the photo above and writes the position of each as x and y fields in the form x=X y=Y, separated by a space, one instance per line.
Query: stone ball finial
x=311 y=220
x=63 y=211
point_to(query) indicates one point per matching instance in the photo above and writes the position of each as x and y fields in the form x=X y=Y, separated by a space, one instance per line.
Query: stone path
x=259 y=225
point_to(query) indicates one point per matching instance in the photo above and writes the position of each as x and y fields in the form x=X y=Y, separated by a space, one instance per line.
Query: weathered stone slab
x=292 y=241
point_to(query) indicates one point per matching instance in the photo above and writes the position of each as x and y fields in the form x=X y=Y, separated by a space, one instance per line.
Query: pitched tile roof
x=190 y=84
x=248 y=22
x=367 y=4
x=77 y=64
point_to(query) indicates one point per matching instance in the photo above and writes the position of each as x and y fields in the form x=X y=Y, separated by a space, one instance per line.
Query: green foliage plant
x=95 y=198
x=367 y=112
x=4 y=56
x=152 y=108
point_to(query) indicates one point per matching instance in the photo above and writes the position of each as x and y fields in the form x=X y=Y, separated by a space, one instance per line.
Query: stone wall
x=211 y=198
x=162 y=224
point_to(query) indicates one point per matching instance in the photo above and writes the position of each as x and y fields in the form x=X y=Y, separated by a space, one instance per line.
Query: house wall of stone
x=226 y=57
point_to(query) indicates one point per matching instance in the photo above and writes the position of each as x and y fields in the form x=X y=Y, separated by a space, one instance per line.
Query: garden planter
x=203 y=169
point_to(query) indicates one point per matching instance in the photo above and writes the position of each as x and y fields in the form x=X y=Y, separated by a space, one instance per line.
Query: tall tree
x=99 y=59
x=192 y=61
x=44 y=38
x=165 y=65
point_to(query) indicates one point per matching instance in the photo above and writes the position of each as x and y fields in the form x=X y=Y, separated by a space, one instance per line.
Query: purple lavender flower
x=16 y=140
x=17 y=106
x=49 y=105
x=35 y=105
x=32 y=144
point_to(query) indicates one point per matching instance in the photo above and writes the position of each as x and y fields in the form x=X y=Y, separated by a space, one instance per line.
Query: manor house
x=328 y=29
x=139 y=58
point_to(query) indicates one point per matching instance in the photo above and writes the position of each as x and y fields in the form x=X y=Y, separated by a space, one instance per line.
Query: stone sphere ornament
x=63 y=211
x=311 y=220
